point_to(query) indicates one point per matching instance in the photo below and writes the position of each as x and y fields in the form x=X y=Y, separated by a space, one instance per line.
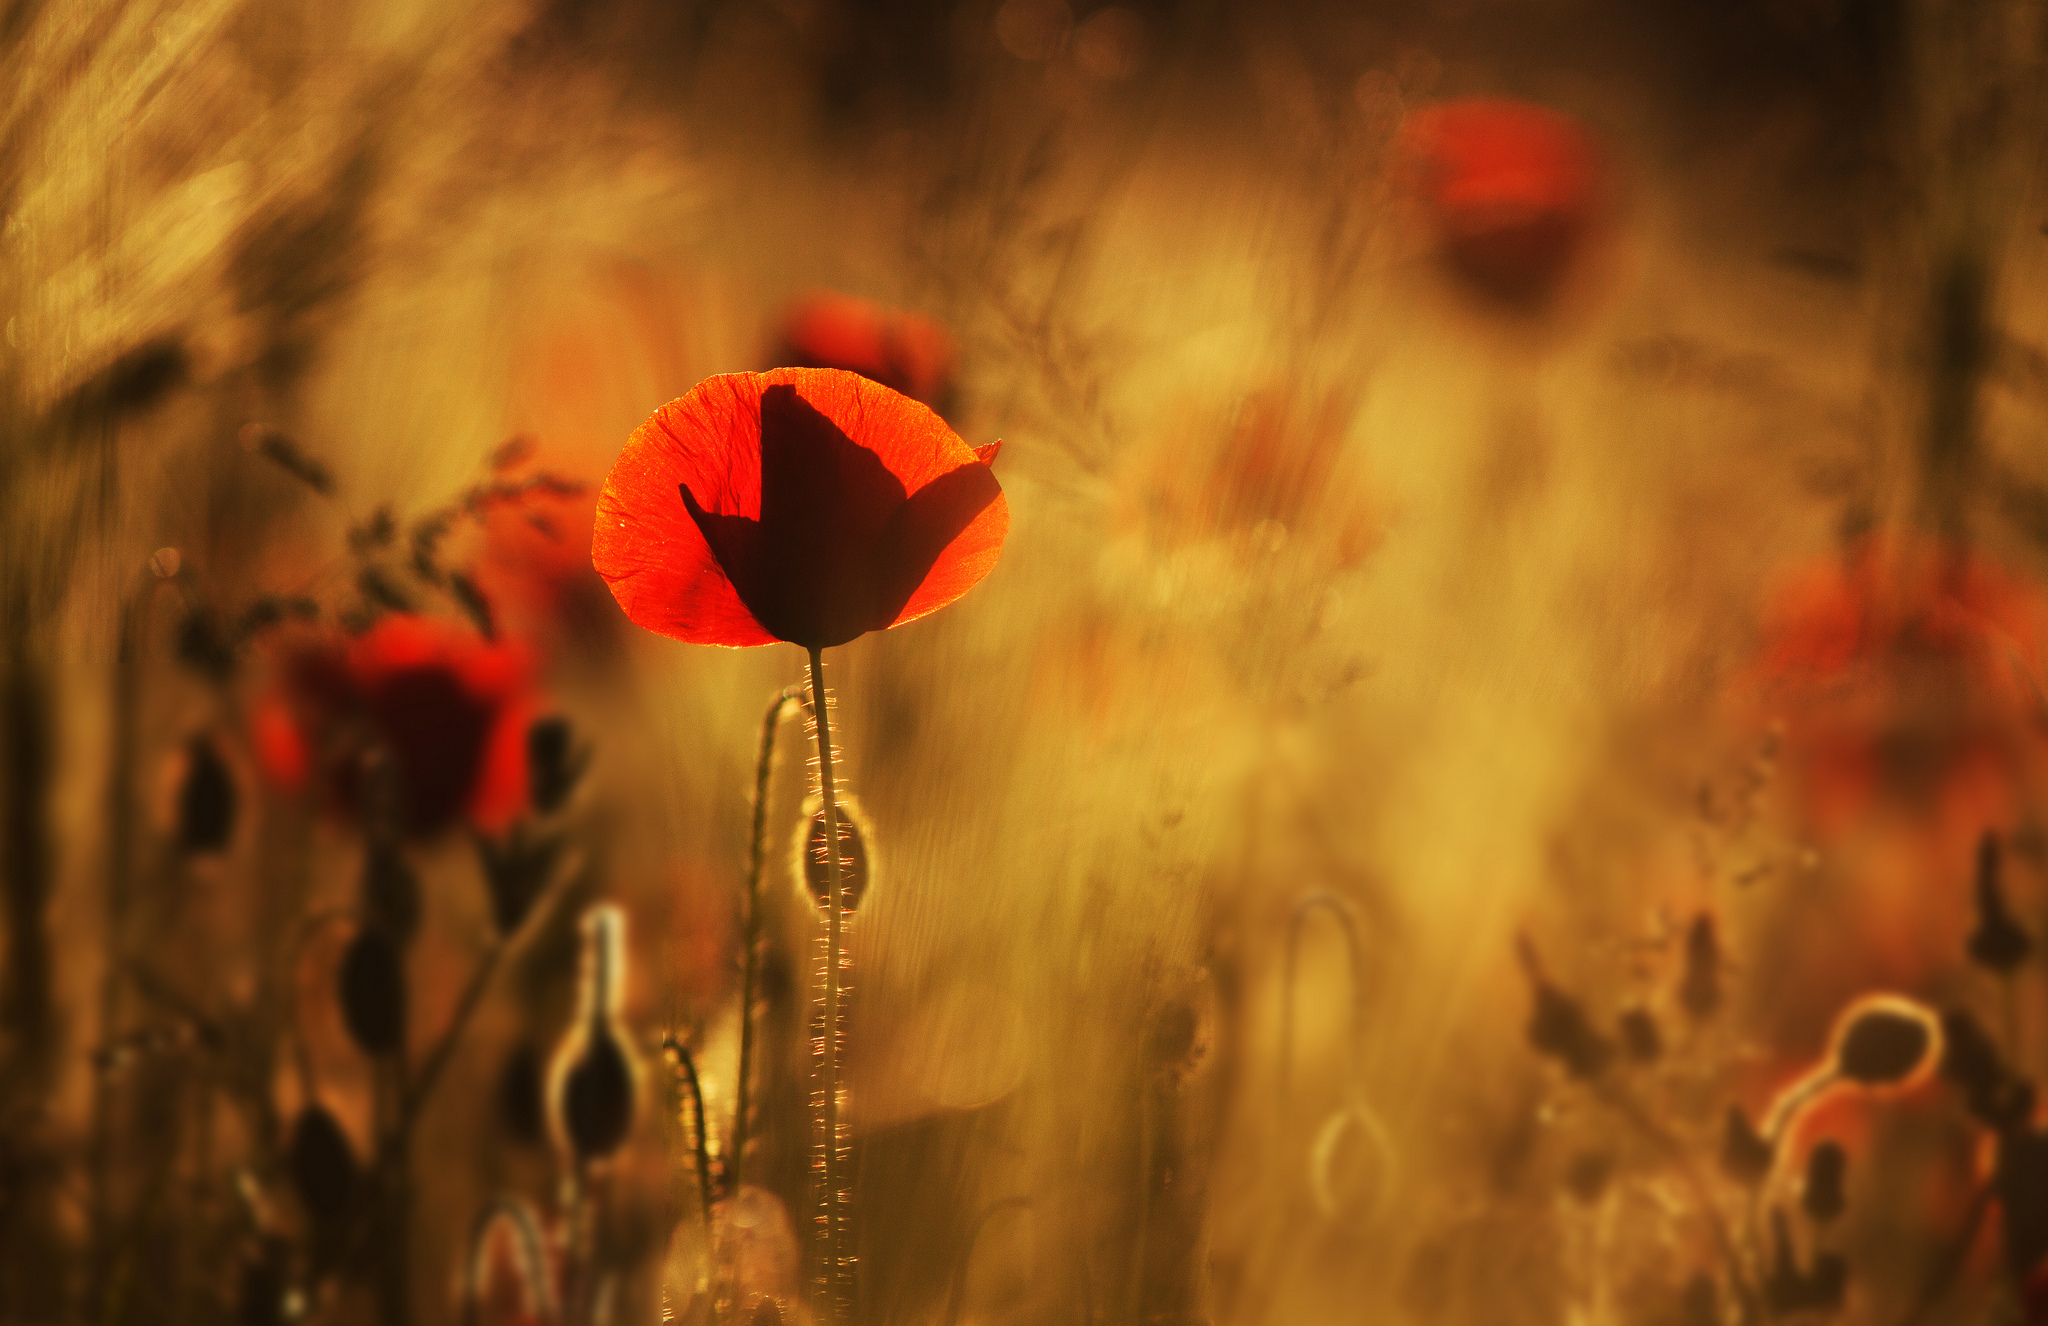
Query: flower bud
x=594 y=1081
x=1998 y=943
x=814 y=860
x=1886 y=1041
x=372 y=992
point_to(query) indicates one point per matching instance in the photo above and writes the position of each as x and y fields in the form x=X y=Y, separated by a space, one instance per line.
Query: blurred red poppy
x=534 y=567
x=1512 y=191
x=807 y=505
x=902 y=351
x=1906 y=677
x=448 y=708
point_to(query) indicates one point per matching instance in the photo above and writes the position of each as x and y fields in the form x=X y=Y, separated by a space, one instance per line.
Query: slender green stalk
x=833 y=1198
x=750 y=966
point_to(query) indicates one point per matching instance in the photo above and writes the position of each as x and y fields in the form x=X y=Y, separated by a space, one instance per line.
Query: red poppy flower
x=1906 y=678
x=1511 y=188
x=902 y=351
x=448 y=709
x=807 y=505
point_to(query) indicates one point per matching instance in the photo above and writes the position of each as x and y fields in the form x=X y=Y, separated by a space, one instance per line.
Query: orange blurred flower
x=902 y=351
x=1906 y=677
x=1513 y=191
x=807 y=505
x=447 y=708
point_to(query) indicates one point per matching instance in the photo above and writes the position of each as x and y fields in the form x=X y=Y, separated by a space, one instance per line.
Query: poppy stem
x=750 y=964
x=834 y=1198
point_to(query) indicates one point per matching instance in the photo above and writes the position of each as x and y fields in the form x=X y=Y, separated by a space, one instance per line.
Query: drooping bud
x=372 y=992
x=814 y=860
x=594 y=1078
x=1998 y=943
x=1824 y=1197
x=207 y=798
x=1886 y=1041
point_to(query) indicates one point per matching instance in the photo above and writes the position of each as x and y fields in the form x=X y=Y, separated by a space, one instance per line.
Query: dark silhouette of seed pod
x=1883 y=1045
x=853 y=860
x=1998 y=943
x=322 y=1166
x=391 y=893
x=1640 y=1038
x=1824 y=1196
x=1745 y=1156
x=553 y=767
x=372 y=992
x=1971 y=1061
x=1699 y=988
x=597 y=1097
x=207 y=799
x=521 y=1095
x=1559 y=1028
x=767 y=1312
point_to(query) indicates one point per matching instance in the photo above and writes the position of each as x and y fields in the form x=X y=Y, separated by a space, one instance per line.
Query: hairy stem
x=833 y=1199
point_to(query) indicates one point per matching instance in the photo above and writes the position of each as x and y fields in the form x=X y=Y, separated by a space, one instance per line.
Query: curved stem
x=696 y=1089
x=1347 y=919
x=750 y=965
x=833 y=1197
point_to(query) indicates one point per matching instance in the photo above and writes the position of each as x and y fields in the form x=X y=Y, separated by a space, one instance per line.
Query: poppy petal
x=989 y=453
x=971 y=555
x=646 y=545
x=924 y=527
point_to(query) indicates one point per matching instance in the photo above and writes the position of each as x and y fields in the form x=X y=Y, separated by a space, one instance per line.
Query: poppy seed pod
x=594 y=1078
x=1885 y=1041
x=207 y=799
x=814 y=861
x=371 y=989
x=322 y=1166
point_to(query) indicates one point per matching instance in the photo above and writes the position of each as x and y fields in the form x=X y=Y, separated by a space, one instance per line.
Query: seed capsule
x=594 y=1081
x=1886 y=1042
x=372 y=991
x=815 y=861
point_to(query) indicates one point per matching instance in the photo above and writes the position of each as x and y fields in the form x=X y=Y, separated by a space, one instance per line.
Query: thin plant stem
x=750 y=963
x=833 y=1197
x=699 y=1128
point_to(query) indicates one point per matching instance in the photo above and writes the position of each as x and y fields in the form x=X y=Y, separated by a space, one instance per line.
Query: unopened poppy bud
x=1699 y=989
x=1827 y=1168
x=766 y=1313
x=207 y=799
x=594 y=1078
x=391 y=892
x=1998 y=943
x=1640 y=1038
x=815 y=861
x=1558 y=1025
x=1745 y=1156
x=1886 y=1042
x=322 y=1166
x=372 y=992
x=553 y=764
